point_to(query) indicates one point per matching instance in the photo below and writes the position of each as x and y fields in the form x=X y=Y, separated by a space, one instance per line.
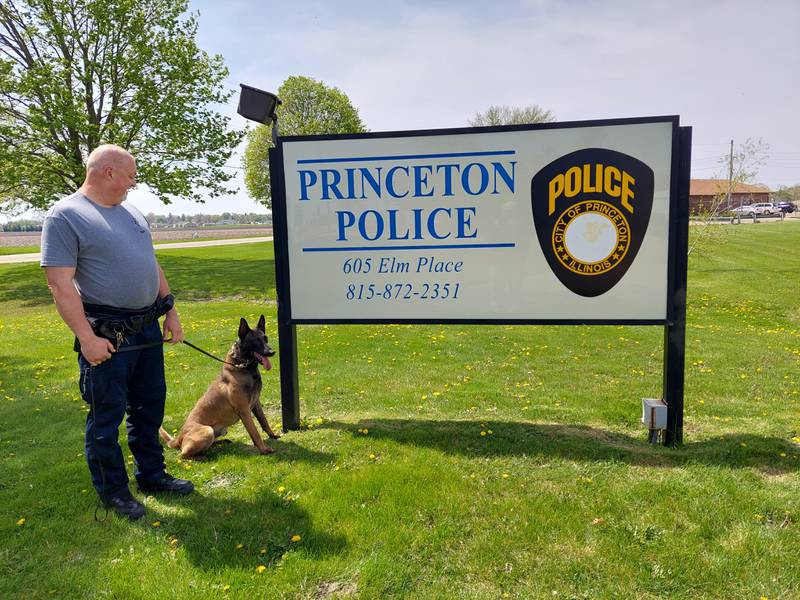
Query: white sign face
x=566 y=223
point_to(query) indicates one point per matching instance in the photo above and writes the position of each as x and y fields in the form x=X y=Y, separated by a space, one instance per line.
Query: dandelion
x=505 y=475
x=281 y=489
x=226 y=588
x=239 y=546
x=260 y=569
x=372 y=456
x=365 y=431
x=21 y=522
x=483 y=434
x=263 y=551
x=296 y=538
x=156 y=523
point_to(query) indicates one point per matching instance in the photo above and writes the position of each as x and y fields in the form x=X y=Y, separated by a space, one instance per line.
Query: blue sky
x=729 y=69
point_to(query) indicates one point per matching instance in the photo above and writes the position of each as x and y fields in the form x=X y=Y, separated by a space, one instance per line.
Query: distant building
x=707 y=194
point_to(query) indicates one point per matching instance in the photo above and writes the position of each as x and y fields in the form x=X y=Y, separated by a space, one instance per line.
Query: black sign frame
x=674 y=324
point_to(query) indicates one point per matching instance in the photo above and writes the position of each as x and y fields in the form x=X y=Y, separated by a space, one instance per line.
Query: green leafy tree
x=75 y=74
x=309 y=107
x=741 y=166
x=512 y=115
x=789 y=194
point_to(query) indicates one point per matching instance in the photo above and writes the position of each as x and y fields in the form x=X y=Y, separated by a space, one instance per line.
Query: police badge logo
x=590 y=211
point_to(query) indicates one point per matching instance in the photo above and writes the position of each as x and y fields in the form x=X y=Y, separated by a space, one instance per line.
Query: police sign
x=563 y=222
x=558 y=223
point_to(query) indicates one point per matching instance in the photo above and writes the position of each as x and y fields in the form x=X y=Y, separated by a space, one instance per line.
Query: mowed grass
x=438 y=461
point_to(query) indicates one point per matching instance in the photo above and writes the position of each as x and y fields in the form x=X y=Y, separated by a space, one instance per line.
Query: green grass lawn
x=438 y=461
x=4 y=250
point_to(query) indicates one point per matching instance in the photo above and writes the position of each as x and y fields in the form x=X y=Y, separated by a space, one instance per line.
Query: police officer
x=98 y=257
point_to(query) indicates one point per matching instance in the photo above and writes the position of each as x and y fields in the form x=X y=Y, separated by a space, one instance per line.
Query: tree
x=309 y=107
x=741 y=166
x=78 y=73
x=508 y=115
x=789 y=194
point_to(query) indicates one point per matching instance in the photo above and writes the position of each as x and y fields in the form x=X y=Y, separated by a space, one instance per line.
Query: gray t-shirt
x=110 y=248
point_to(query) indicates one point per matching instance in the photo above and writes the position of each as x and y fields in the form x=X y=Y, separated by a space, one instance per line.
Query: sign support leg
x=675 y=330
x=290 y=390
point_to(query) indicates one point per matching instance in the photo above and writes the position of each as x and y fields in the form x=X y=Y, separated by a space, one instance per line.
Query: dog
x=231 y=397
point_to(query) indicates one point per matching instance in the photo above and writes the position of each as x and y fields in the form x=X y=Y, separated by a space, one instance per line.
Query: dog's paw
x=266 y=450
x=274 y=436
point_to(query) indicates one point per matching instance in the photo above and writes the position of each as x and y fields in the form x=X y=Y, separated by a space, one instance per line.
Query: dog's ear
x=244 y=328
x=261 y=324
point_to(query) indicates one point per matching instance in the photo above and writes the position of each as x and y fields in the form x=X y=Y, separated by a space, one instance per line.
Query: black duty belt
x=115 y=324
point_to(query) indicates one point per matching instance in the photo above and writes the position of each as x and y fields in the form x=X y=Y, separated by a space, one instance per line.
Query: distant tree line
x=225 y=218
x=22 y=225
x=169 y=220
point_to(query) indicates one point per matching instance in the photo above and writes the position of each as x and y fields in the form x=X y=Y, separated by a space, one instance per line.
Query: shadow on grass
x=579 y=442
x=211 y=529
x=203 y=278
x=24 y=283
x=284 y=452
x=190 y=278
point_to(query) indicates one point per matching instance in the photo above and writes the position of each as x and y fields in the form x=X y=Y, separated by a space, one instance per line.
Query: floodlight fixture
x=260 y=106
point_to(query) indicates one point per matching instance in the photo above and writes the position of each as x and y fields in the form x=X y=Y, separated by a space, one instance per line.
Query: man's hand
x=96 y=349
x=173 y=332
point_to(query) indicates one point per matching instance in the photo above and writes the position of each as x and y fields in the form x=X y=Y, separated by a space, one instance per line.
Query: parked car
x=786 y=207
x=744 y=210
x=766 y=208
x=757 y=209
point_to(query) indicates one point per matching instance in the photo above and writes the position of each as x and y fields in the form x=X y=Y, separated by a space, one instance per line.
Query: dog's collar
x=238 y=362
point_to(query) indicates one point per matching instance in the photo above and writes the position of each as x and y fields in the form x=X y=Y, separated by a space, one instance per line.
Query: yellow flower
x=295 y=538
x=365 y=431
x=260 y=569
x=226 y=587
x=483 y=433
x=372 y=456
x=281 y=489
x=263 y=551
x=239 y=546
x=156 y=523
x=21 y=522
x=505 y=475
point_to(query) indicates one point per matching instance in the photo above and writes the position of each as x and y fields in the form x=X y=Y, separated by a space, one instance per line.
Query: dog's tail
x=171 y=441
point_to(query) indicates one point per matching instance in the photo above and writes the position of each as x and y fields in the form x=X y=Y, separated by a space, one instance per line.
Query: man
x=98 y=257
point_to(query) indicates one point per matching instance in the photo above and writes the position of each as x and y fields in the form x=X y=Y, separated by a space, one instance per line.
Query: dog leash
x=159 y=343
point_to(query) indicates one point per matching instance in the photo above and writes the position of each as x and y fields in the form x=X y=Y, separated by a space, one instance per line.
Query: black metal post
x=675 y=330
x=287 y=330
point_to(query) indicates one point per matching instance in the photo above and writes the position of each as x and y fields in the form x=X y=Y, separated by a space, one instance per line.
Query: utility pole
x=730 y=176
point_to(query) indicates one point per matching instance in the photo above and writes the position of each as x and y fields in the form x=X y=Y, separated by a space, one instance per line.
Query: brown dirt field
x=159 y=235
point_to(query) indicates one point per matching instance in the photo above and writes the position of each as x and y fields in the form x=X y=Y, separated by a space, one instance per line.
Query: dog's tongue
x=265 y=362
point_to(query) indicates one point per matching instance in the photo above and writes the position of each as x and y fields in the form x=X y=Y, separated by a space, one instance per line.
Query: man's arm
x=68 y=303
x=173 y=332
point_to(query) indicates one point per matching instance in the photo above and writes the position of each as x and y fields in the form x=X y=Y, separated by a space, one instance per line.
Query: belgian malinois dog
x=231 y=397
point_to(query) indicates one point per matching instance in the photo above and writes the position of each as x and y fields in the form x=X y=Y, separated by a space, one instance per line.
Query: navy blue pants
x=132 y=383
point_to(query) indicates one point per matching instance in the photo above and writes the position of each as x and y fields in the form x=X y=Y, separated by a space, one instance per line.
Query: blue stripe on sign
x=421 y=247
x=308 y=161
